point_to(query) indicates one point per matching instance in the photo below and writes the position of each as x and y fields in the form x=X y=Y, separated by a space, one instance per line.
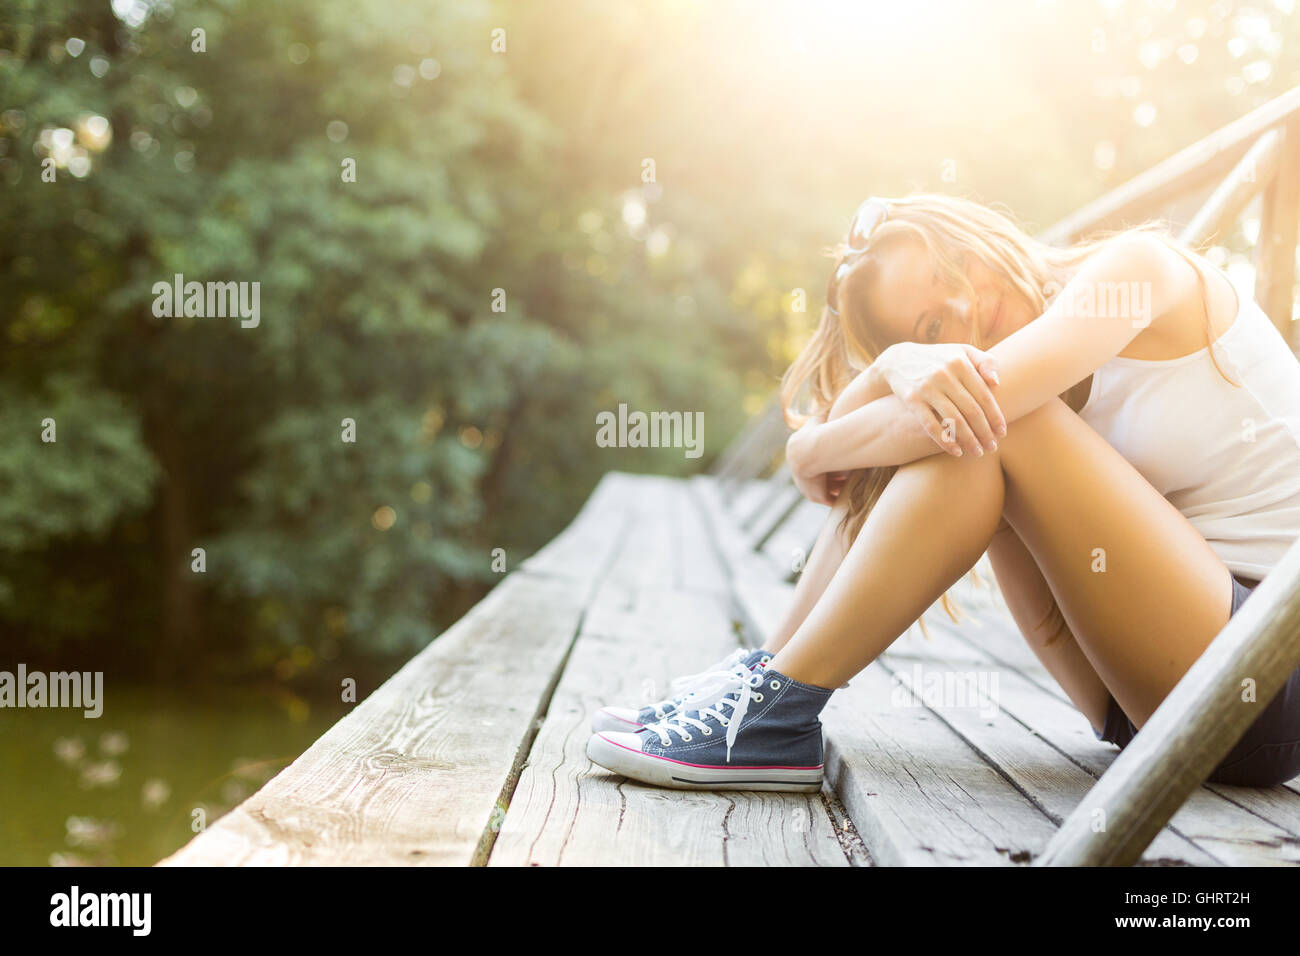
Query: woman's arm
x=906 y=369
x=866 y=387
x=1065 y=344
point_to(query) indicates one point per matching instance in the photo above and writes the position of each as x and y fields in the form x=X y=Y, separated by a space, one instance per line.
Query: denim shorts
x=1268 y=754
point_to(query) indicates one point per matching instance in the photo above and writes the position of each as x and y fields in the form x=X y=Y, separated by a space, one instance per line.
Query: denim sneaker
x=762 y=734
x=698 y=688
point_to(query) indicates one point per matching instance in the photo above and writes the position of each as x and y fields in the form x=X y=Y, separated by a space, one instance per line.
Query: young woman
x=1112 y=423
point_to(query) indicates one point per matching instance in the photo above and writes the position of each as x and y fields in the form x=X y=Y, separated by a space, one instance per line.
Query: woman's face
x=911 y=304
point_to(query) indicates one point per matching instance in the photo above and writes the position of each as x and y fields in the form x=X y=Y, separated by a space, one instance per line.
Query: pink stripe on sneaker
x=705 y=766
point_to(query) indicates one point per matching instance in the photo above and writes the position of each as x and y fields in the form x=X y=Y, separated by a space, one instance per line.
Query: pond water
x=123 y=789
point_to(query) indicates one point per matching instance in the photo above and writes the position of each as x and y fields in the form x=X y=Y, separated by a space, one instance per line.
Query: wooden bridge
x=474 y=752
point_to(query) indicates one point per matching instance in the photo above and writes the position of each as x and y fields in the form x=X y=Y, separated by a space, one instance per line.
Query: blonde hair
x=951 y=229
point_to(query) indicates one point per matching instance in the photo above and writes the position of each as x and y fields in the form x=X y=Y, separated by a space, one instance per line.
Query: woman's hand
x=947 y=387
x=820 y=489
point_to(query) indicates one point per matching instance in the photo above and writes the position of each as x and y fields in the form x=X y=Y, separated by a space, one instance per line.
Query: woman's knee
x=1051 y=413
x=1037 y=434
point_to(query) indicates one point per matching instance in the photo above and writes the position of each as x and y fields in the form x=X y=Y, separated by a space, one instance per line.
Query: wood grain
x=649 y=621
x=413 y=774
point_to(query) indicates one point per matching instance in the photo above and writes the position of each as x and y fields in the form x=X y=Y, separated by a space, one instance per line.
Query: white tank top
x=1228 y=458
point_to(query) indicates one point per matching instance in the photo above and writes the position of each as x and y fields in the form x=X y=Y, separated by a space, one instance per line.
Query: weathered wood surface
x=1210 y=829
x=773 y=488
x=413 y=774
x=744 y=499
x=789 y=545
x=649 y=622
x=917 y=792
x=567 y=811
x=475 y=751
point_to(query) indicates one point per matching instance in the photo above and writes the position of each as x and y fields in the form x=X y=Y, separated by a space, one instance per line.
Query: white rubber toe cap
x=617 y=719
x=619 y=752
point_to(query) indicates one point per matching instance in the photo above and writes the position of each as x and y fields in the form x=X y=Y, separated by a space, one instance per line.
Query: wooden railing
x=1257 y=154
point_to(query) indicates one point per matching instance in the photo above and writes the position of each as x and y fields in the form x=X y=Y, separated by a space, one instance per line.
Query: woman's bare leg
x=1039 y=619
x=930 y=525
x=1023 y=587
x=1140 y=589
x=822 y=563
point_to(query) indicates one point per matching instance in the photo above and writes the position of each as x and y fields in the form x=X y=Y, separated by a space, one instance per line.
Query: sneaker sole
x=662 y=772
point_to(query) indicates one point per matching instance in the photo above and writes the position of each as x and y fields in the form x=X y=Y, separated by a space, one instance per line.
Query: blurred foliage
x=477 y=170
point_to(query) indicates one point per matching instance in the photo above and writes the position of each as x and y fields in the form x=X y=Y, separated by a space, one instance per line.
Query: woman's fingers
x=970 y=409
x=986 y=364
x=955 y=428
x=988 y=421
x=942 y=428
x=814 y=488
x=835 y=483
x=983 y=370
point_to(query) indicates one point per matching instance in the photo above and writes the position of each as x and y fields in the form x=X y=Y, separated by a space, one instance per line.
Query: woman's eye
x=933 y=328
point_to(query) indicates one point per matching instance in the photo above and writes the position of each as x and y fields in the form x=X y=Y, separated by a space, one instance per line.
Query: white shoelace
x=705 y=685
x=739 y=685
x=728 y=663
x=708 y=687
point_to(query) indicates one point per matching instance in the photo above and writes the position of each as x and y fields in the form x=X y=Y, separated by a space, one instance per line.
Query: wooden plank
x=1279 y=228
x=742 y=498
x=582 y=552
x=1192 y=730
x=648 y=558
x=790 y=544
x=981 y=715
x=699 y=566
x=1151 y=190
x=772 y=516
x=986 y=629
x=917 y=792
x=776 y=487
x=642 y=628
x=566 y=811
x=1280 y=806
x=414 y=773
x=757 y=593
x=1209 y=830
x=1218 y=828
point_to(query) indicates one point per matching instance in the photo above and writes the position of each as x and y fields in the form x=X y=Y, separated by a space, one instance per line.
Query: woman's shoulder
x=1181 y=299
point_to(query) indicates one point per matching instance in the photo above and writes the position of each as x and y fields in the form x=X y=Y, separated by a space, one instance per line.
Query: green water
x=121 y=789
